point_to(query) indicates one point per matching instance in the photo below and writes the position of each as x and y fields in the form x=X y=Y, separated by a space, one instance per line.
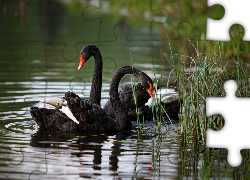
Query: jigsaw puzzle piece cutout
x=236 y=114
x=158 y=18
x=40 y=173
x=34 y=58
x=196 y=14
x=61 y=27
x=218 y=30
x=184 y=48
x=105 y=28
x=235 y=51
x=184 y=26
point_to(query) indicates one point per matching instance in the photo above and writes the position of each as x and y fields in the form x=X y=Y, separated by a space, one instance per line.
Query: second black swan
x=144 y=104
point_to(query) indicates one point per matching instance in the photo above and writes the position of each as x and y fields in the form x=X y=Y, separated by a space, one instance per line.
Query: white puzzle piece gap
x=236 y=12
x=235 y=133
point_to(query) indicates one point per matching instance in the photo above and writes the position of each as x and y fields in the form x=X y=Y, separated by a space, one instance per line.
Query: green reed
x=135 y=100
x=209 y=73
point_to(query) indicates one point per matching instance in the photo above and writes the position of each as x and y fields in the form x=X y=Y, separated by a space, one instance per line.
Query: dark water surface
x=39 y=55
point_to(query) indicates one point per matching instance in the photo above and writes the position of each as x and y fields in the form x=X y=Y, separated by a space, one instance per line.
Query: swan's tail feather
x=67 y=111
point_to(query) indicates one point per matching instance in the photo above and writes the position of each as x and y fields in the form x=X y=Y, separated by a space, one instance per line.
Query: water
x=39 y=56
x=68 y=155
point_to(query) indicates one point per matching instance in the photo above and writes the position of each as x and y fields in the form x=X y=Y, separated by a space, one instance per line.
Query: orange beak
x=150 y=90
x=82 y=61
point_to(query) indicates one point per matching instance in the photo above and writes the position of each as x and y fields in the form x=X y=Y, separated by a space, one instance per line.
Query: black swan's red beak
x=150 y=90
x=82 y=61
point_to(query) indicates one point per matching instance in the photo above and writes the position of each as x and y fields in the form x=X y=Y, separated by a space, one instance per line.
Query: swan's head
x=86 y=52
x=146 y=82
x=148 y=85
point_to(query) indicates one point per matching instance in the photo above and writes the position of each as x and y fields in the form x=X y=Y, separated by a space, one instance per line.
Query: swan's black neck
x=120 y=111
x=95 y=93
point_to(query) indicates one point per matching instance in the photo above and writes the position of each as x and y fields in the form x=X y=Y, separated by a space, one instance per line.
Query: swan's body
x=90 y=116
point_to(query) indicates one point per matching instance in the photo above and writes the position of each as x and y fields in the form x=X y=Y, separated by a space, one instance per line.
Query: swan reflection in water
x=91 y=150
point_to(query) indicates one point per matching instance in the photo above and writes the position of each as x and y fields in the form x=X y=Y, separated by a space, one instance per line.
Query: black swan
x=89 y=115
x=96 y=87
x=95 y=93
x=145 y=104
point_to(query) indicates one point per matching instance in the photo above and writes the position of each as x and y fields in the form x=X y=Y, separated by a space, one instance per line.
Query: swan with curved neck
x=95 y=93
x=120 y=113
x=90 y=116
